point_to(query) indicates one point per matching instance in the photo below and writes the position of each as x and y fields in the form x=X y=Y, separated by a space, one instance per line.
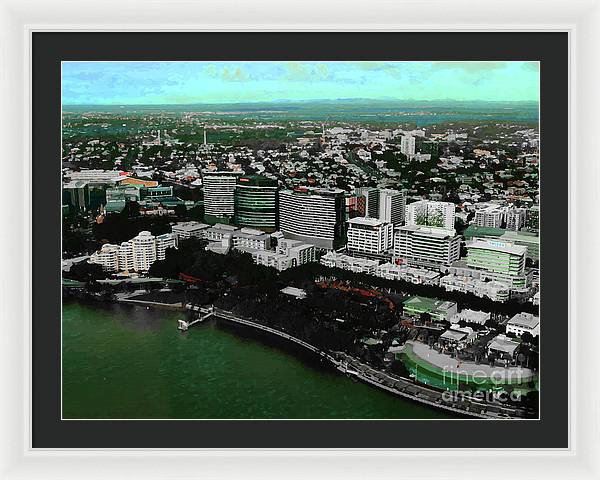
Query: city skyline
x=156 y=83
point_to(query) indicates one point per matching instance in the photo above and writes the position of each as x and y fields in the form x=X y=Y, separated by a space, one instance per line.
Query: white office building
x=369 y=235
x=392 y=205
x=218 y=231
x=219 y=193
x=96 y=176
x=490 y=216
x=407 y=145
x=311 y=215
x=288 y=254
x=431 y=214
x=185 y=230
x=251 y=238
x=516 y=218
x=426 y=246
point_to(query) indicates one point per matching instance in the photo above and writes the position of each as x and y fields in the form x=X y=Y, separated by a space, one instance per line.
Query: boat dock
x=204 y=313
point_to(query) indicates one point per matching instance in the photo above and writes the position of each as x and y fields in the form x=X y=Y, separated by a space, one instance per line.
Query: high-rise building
x=426 y=246
x=107 y=257
x=163 y=242
x=497 y=260
x=356 y=206
x=369 y=235
x=428 y=213
x=407 y=145
x=137 y=254
x=255 y=202
x=515 y=218
x=126 y=262
x=219 y=192
x=144 y=251
x=77 y=194
x=392 y=205
x=372 y=200
x=312 y=215
x=490 y=216
x=533 y=218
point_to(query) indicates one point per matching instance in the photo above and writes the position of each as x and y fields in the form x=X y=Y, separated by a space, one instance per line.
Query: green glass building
x=255 y=203
x=501 y=261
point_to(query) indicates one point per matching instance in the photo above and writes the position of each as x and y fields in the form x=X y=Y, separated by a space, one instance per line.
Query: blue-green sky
x=230 y=82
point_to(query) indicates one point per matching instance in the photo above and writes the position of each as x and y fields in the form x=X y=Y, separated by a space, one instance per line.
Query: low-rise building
x=288 y=254
x=185 y=230
x=439 y=310
x=524 y=323
x=503 y=348
x=419 y=276
x=216 y=232
x=494 y=290
x=453 y=338
x=294 y=292
x=471 y=316
x=251 y=238
x=346 y=262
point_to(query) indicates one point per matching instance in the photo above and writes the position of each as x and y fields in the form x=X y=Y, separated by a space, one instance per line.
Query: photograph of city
x=300 y=240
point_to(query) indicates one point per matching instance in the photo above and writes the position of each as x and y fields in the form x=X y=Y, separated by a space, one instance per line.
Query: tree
x=527 y=337
x=181 y=211
x=86 y=272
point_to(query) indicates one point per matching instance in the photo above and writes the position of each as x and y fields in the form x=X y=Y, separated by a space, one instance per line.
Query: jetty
x=204 y=313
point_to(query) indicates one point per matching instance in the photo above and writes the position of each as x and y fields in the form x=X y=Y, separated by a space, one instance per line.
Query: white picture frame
x=19 y=19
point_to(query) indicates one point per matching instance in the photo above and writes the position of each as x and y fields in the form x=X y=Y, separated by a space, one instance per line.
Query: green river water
x=122 y=361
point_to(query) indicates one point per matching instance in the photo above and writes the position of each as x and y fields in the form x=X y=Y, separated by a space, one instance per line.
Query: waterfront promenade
x=394 y=384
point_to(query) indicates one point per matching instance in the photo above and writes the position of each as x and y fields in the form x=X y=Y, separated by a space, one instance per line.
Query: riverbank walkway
x=404 y=387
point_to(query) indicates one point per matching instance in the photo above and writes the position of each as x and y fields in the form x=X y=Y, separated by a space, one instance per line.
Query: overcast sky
x=125 y=83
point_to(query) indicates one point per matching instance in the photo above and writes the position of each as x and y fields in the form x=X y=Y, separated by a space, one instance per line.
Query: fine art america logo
x=496 y=392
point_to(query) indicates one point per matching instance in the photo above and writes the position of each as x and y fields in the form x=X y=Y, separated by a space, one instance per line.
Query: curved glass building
x=256 y=203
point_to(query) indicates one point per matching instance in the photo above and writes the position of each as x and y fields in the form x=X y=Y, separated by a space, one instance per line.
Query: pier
x=205 y=312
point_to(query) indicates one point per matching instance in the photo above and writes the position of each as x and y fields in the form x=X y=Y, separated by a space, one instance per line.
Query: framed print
x=301 y=242
x=363 y=233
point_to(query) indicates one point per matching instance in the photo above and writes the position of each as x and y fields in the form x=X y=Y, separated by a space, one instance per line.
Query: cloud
x=303 y=72
x=472 y=67
x=234 y=75
x=227 y=74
